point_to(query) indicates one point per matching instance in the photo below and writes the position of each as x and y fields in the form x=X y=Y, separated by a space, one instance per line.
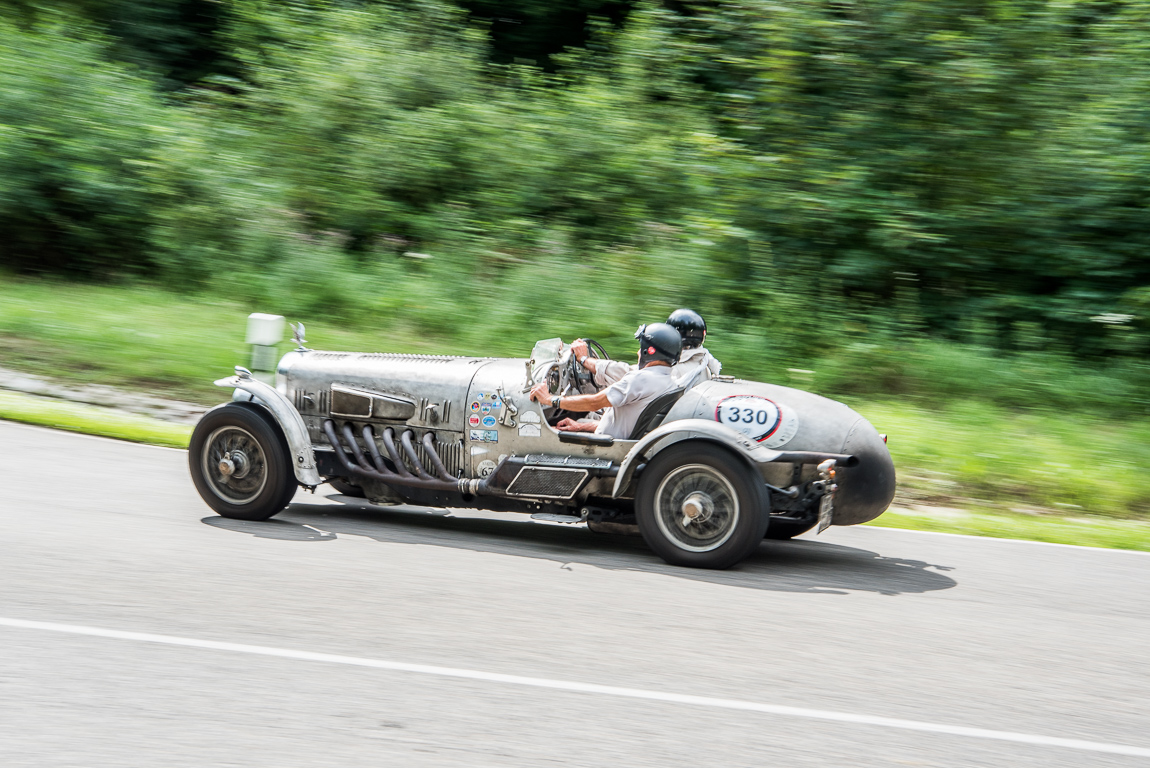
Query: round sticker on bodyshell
x=485 y=468
x=760 y=419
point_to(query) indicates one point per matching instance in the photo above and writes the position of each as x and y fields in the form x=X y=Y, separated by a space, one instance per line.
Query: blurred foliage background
x=940 y=200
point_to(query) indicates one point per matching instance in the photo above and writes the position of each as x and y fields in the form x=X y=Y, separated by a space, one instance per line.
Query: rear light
x=883 y=437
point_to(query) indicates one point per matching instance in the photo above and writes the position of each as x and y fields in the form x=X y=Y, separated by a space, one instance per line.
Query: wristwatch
x=583 y=361
x=555 y=401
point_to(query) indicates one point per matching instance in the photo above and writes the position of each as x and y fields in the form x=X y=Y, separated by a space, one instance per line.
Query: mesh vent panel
x=547 y=482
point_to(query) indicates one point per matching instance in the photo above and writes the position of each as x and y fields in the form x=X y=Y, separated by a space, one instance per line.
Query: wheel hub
x=235 y=465
x=697 y=508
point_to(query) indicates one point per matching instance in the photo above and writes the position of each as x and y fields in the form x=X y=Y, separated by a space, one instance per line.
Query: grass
x=1019 y=466
x=980 y=456
x=143 y=338
x=1086 y=532
x=92 y=420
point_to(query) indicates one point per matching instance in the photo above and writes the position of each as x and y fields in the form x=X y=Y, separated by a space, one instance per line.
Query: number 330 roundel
x=758 y=418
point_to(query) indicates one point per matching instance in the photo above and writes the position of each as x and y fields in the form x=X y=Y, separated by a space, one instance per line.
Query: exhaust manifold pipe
x=402 y=475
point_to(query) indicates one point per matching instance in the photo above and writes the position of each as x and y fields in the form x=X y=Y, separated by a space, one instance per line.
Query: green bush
x=76 y=136
x=832 y=182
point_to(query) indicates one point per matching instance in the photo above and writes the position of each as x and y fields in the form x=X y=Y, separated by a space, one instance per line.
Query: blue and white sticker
x=484 y=436
x=760 y=419
x=489 y=421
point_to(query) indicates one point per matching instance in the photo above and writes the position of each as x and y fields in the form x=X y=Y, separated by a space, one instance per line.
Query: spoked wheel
x=699 y=505
x=240 y=464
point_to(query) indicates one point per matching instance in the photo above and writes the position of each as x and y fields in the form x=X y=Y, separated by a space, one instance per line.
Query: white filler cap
x=267 y=330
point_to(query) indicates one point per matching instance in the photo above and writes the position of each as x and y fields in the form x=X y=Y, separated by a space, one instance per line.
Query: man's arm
x=575 y=403
x=570 y=425
x=607 y=372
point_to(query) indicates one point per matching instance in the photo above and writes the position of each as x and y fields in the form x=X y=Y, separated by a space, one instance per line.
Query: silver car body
x=479 y=417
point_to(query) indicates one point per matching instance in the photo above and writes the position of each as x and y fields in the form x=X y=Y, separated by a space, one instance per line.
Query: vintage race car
x=710 y=469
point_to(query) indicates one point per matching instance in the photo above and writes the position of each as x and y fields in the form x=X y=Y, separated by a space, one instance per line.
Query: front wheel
x=699 y=505
x=240 y=464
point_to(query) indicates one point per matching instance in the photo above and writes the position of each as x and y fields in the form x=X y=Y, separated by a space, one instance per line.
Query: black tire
x=782 y=528
x=260 y=482
x=733 y=507
x=346 y=488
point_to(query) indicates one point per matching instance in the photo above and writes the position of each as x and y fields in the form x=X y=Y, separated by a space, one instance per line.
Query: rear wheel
x=240 y=464
x=699 y=505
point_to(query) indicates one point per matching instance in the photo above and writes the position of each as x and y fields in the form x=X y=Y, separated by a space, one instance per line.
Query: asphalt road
x=100 y=540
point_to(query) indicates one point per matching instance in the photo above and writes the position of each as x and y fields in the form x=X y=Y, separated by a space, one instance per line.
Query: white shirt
x=690 y=362
x=629 y=396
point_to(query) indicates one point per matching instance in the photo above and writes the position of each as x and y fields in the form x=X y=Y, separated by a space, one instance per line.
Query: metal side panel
x=689 y=429
x=421 y=391
x=299 y=442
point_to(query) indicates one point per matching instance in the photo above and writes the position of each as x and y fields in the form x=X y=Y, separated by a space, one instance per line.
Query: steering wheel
x=576 y=377
x=567 y=377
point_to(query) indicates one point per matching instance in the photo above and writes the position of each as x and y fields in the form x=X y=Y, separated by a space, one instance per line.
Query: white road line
x=575 y=687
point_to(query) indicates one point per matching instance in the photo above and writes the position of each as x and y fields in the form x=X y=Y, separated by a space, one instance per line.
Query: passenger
x=624 y=400
x=693 y=330
x=695 y=357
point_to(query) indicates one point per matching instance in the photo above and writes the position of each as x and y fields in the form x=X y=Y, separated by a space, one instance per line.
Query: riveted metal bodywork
x=461 y=431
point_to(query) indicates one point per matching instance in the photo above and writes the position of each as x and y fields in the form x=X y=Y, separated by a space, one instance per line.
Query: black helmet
x=690 y=325
x=658 y=341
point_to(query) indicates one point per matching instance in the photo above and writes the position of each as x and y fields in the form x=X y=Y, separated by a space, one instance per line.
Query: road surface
x=139 y=629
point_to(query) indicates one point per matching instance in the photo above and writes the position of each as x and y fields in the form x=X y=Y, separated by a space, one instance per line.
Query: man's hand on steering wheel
x=582 y=374
x=581 y=350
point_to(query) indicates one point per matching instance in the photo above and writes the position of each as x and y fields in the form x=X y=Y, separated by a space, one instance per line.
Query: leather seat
x=656 y=410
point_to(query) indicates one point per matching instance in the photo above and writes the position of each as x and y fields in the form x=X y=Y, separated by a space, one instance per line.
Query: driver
x=693 y=330
x=659 y=348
